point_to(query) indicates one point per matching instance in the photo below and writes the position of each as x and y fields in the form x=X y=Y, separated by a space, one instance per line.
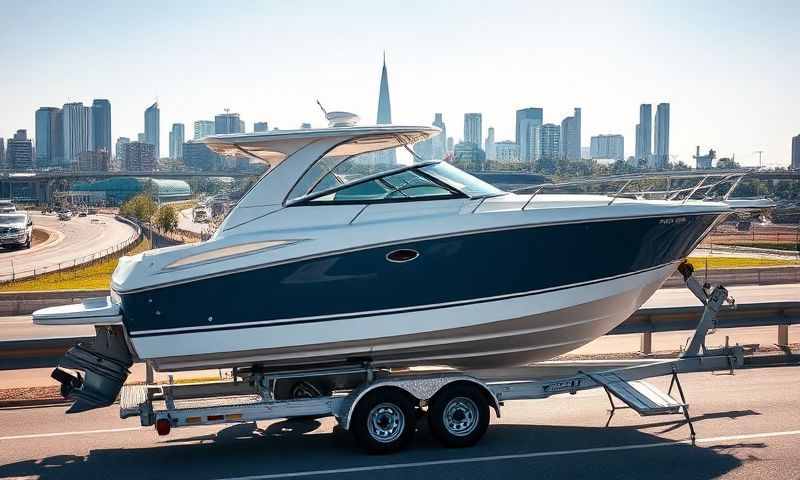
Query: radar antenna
x=324 y=112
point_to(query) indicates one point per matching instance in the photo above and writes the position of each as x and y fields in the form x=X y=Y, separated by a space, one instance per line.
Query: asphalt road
x=78 y=237
x=747 y=425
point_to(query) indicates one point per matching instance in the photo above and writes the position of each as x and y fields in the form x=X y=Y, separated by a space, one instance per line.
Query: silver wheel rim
x=386 y=422
x=460 y=416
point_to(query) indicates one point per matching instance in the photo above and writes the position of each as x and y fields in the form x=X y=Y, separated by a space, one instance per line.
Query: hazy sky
x=729 y=69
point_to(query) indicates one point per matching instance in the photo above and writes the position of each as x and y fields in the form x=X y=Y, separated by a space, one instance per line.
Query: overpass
x=39 y=186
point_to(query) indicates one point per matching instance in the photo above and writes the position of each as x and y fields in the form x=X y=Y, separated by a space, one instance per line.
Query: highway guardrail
x=34 y=353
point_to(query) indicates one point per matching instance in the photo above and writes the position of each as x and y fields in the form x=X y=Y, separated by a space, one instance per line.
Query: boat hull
x=505 y=332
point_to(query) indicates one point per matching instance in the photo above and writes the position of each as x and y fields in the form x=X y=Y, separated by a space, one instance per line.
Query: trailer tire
x=459 y=415
x=384 y=421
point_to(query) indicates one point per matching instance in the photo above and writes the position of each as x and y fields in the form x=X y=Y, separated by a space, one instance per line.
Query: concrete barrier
x=25 y=303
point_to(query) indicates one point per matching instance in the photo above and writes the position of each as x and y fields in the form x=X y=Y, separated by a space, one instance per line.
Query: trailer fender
x=421 y=388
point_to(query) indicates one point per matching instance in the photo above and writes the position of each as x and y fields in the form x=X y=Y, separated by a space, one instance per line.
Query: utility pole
x=759 y=152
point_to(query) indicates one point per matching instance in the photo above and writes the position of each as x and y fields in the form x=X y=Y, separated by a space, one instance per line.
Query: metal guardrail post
x=646 y=343
x=783 y=335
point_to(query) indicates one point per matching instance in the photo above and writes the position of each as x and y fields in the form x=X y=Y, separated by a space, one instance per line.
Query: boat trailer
x=381 y=406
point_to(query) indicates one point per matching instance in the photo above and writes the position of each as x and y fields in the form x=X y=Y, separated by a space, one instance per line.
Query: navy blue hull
x=461 y=268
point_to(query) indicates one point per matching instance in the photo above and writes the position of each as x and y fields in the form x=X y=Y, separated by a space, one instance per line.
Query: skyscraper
x=176 y=139
x=550 y=142
x=101 y=125
x=77 y=129
x=571 y=137
x=527 y=120
x=119 y=148
x=259 y=127
x=473 y=129
x=140 y=157
x=661 y=157
x=490 y=146
x=385 y=157
x=197 y=156
x=203 y=128
x=140 y=137
x=439 y=142
x=227 y=123
x=795 y=165
x=49 y=137
x=152 y=128
x=644 y=132
x=607 y=147
x=2 y=153
x=20 y=151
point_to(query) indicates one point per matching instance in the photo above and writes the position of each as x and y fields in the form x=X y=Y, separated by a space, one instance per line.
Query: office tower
x=2 y=153
x=77 y=130
x=469 y=156
x=49 y=137
x=227 y=123
x=119 y=148
x=607 y=147
x=140 y=137
x=101 y=125
x=152 y=128
x=473 y=129
x=528 y=119
x=242 y=127
x=440 y=141
x=550 y=141
x=93 y=161
x=489 y=145
x=176 y=139
x=20 y=151
x=644 y=132
x=795 y=165
x=203 y=128
x=197 y=156
x=661 y=157
x=450 y=145
x=385 y=157
x=507 y=152
x=257 y=127
x=140 y=157
x=570 y=141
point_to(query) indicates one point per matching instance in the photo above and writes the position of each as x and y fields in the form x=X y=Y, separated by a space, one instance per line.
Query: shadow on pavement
x=294 y=446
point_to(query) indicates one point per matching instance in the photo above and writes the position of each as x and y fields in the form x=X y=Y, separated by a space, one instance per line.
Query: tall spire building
x=385 y=116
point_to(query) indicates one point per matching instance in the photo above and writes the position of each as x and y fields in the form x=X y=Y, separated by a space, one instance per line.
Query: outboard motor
x=91 y=373
x=104 y=362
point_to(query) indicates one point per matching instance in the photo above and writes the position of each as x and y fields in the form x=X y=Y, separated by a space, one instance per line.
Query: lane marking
x=61 y=434
x=493 y=458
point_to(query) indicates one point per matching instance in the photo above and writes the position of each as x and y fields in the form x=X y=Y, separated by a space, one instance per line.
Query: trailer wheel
x=459 y=415
x=384 y=421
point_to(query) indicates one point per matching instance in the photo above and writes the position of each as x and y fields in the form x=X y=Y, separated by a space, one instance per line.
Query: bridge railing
x=68 y=268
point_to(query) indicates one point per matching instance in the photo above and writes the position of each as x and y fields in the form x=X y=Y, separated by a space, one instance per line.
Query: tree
x=141 y=207
x=166 y=219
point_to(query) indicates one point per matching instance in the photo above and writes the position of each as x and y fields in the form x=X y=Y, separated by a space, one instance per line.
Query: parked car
x=16 y=229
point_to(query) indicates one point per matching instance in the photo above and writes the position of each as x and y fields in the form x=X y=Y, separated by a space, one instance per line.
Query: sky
x=729 y=69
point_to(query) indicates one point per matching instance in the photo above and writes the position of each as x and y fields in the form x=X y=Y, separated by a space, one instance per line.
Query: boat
x=334 y=258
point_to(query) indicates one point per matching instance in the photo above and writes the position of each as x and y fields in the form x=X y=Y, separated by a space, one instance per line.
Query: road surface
x=747 y=427
x=79 y=237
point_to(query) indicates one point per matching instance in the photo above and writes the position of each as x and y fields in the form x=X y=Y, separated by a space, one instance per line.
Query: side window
x=400 y=186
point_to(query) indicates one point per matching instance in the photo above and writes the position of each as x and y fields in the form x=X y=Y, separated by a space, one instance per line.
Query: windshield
x=461 y=180
x=11 y=219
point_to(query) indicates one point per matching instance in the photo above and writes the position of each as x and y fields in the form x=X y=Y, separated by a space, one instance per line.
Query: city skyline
x=706 y=108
